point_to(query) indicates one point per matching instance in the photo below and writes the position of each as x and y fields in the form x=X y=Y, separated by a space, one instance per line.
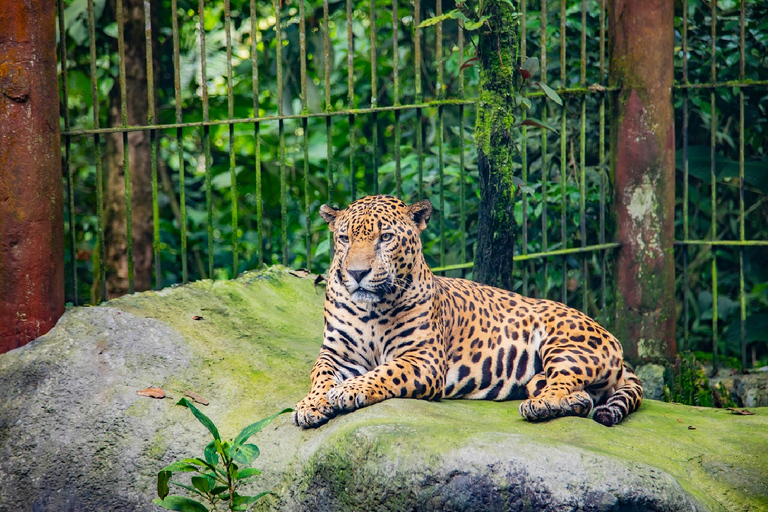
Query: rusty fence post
x=31 y=197
x=641 y=39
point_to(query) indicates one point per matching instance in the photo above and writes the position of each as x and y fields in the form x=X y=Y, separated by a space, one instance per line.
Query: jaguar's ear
x=420 y=213
x=329 y=213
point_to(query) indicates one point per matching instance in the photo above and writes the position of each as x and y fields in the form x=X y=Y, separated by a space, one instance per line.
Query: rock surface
x=652 y=377
x=75 y=436
x=748 y=390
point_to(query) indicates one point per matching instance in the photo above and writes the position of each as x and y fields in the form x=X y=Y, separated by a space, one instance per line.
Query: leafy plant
x=686 y=383
x=220 y=473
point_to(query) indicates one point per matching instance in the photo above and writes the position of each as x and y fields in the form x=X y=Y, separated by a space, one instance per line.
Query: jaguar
x=393 y=329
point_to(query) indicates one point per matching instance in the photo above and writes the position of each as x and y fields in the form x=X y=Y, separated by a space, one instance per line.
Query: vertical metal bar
x=231 y=115
x=126 y=159
x=685 y=177
x=67 y=150
x=742 y=294
x=563 y=155
x=544 y=161
x=256 y=129
x=419 y=98
x=582 y=156
x=179 y=137
x=374 y=102
x=462 y=177
x=713 y=198
x=524 y=142
x=153 y=141
x=328 y=131
x=97 y=146
x=351 y=101
x=439 y=137
x=281 y=132
x=396 y=96
x=305 y=127
x=206 y=136
x=602 y=168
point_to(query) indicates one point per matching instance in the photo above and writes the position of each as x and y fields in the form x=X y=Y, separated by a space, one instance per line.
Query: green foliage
x=686 y=382
x=697 y=292
x=220 y=474
x=549 y=186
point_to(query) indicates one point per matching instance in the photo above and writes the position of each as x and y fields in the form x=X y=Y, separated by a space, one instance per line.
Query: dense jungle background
x=366 y=152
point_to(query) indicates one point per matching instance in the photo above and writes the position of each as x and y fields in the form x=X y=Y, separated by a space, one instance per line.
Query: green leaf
x=540 y=124
x=180 y=466
x=247 y=500
x=700 y=162
x=551 y=94
x=527 y=103
x=202 y=483
x=247 y=473
x=531 y=65
x=245 y=454
x=454 y=14
x=162 y=483
x=199 y=462
x=218 y=489
x=202 y=418
x=248 y=431
x=210 y=453
x=180 y=503
x=233 y=472
x=514 y=9
x=521 y=185
x=474 y=25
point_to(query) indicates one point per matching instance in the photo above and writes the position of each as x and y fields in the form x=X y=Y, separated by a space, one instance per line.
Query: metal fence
x=418 y=82
x=714 y=244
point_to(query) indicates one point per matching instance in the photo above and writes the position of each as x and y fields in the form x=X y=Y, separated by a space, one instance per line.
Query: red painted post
x=641 y=38
x=31 y=215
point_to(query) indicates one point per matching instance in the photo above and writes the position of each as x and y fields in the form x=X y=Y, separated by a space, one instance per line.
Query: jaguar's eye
x=343 y=239
x=386 y=237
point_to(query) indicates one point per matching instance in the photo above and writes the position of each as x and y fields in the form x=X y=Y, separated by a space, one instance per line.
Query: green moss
x=692 y=444
x=251 y=330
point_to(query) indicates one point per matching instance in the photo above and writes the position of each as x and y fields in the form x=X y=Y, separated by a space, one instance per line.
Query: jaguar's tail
x=625 y=399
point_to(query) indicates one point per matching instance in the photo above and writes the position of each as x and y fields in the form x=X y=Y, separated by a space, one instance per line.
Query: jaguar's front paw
x=348 y=396
x=536 y=409
x=313 y=412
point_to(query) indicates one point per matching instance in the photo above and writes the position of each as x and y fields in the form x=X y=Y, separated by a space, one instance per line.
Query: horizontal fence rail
x=258 y=113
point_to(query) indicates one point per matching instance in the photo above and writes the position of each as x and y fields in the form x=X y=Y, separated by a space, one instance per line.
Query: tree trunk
x=497 y=52
x=31 y=199
x=139 y=162
x=641 y=40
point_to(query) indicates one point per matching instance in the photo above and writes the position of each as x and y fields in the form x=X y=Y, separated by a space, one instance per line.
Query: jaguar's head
x=377 y=244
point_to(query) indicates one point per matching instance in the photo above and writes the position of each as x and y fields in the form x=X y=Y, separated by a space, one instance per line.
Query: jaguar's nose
x=359 y=275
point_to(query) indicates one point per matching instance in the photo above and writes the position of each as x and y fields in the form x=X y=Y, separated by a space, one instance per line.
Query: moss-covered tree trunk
x=499 y=82
x=643 y=170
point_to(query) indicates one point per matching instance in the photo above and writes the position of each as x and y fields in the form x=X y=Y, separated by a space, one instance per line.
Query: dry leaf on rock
x=197 y=398
x=740 y=412
x=152 y=392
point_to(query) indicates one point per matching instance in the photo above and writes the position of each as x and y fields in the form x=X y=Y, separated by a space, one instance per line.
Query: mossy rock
x=74 y=435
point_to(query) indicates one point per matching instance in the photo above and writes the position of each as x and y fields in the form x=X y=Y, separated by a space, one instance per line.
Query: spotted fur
x=395 y=330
